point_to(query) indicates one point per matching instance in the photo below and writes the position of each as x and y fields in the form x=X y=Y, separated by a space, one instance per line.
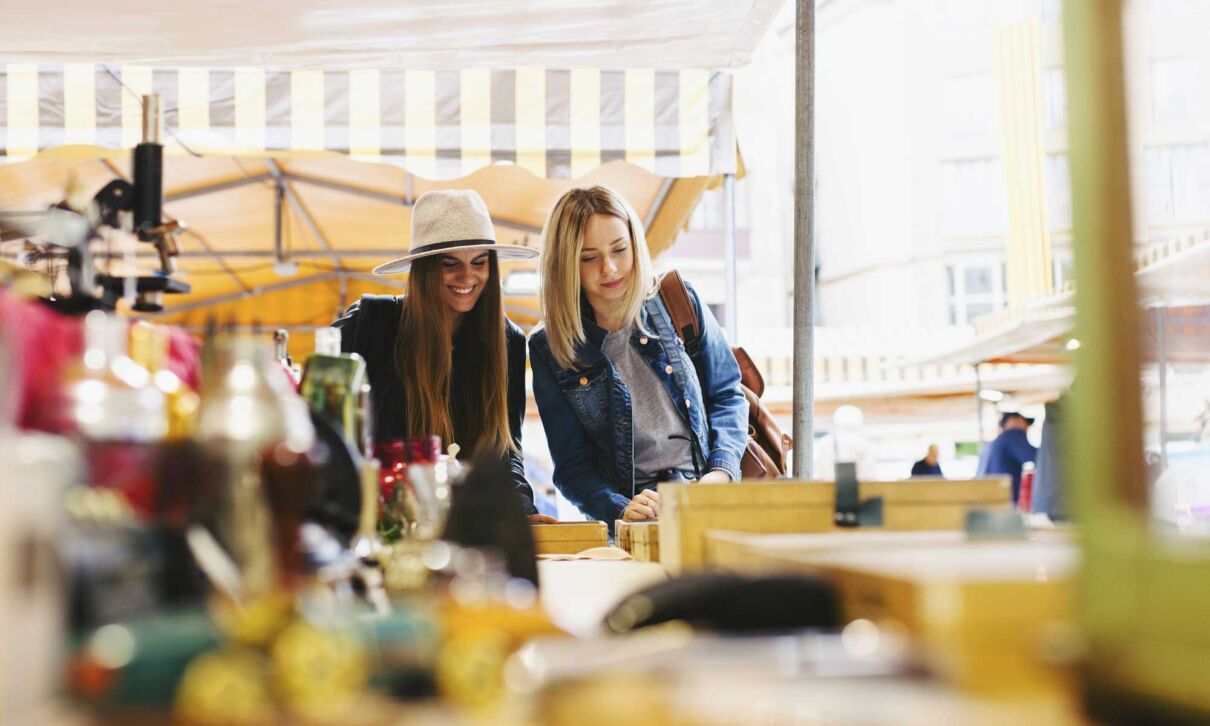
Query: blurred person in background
x=845 y=443
x=1009 y=451
x=928 y=466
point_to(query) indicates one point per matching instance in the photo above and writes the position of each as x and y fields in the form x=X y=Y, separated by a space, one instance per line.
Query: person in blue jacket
x=1009 y=451
x=624 y=404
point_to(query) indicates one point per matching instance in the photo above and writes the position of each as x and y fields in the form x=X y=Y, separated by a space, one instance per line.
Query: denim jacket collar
x=594 y=335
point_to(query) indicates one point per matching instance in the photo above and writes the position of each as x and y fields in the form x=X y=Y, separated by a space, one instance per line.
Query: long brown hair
x=478 y=419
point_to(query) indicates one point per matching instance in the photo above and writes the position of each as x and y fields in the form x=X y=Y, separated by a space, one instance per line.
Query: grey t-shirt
x=655 y=417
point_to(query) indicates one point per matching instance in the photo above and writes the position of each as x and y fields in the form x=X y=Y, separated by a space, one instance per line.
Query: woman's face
x=606 y=260
x=464 y=274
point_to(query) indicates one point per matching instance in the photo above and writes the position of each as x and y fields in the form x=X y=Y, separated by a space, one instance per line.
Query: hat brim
x=503 y=252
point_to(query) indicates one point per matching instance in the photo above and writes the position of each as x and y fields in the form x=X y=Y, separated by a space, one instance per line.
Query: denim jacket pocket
x=588 y=393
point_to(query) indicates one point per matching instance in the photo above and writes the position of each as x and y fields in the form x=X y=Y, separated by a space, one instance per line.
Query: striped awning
x=436 y=124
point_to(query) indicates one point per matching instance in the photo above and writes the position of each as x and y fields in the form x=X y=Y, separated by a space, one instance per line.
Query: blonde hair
x=563 y=241
x=478 y=420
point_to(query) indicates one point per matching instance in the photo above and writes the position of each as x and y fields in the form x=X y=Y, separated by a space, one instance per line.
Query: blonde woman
x=624 y=405
x=444 y=360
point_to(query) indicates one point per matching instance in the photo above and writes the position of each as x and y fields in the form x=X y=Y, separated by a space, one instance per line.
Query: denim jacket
x=587 y=412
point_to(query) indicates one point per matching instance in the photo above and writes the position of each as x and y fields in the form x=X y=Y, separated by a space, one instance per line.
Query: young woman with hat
x=444 y=360
x=623 y=403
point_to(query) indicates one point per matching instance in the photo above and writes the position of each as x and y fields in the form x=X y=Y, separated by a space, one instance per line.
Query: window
x=1178 y=184
x=1063 y=269
x=1052 y=10
x=970 y=105
x=1058 y=192
x=1178 y=7
x=710 y=212
x=974 y=199
x=976 y=287
x=960 y=13
x=1054 y=96
x=704 y=235
x=1173 y=84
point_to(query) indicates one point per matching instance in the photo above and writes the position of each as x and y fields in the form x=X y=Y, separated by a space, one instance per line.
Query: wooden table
x=984 y=612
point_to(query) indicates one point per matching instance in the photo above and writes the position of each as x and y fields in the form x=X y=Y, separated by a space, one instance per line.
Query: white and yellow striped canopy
x=435 y=124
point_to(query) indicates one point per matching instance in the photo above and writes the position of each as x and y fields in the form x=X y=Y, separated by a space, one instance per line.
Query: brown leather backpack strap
x=680 y=307
x=749 y=374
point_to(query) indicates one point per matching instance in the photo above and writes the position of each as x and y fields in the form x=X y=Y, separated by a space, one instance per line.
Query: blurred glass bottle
x=415 y=487
x=117 y=410
x=149 y=348
x=249 y=420
x=281 y=351
x=332 y=384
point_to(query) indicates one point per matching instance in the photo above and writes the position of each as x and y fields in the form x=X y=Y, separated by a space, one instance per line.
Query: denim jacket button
x=688 y=403
x=583 y=380
x=643 y=341
x=668 y=370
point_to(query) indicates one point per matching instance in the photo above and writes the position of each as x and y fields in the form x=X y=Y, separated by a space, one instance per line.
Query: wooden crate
x=640 y=539
x=689 y=511
x=568 y=538
x=982 y=611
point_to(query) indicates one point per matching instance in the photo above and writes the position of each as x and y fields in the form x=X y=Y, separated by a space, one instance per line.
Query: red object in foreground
x=37 y=345
x=395 y=455
x=1026 y=495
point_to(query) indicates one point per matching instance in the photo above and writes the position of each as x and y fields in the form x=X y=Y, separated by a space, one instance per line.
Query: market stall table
x=578 y=593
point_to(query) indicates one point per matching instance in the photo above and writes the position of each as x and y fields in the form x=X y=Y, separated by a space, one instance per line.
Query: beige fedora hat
x=452 y=219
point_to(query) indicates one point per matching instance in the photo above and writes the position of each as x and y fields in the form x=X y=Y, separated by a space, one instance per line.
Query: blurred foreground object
x=37 y=471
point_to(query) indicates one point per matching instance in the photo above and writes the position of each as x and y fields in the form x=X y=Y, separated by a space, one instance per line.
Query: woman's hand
x=715 y=476
x=542 y=519
x=645 y=505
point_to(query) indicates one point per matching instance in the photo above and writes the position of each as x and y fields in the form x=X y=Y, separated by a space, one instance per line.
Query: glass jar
x=413 y=488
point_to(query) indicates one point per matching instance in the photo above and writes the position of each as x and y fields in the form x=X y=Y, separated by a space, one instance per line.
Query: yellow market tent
x=338 y=219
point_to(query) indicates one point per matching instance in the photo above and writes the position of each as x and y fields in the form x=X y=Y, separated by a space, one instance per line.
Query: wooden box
x=689 y=511
x=568 y=538
x=640 y=539
x=981 y=611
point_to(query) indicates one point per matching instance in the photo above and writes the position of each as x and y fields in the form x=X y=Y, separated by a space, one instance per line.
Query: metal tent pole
x=731 y=297
x=979 y=402
x=804 y=238
x=1161 y=344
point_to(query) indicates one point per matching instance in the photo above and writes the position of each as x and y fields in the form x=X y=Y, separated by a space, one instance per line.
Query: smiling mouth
x=462 y=291
x=611 y=285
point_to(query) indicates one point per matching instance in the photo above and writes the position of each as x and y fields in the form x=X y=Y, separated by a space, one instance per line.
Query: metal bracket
x=850 y=510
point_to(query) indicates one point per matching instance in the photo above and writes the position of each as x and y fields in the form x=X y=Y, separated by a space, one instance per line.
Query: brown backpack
x=767 y=452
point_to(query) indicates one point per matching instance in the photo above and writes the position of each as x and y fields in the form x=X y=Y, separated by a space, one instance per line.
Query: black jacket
x=370 y=328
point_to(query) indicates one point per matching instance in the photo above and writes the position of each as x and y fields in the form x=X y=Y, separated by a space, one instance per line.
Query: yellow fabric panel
x=476 y=119
x=694 y=122
x=193 y=101
x=79 y=104
x=22 y=110
x=420 y=118
x=365 y=140
x=585 y=121
x=640 y=118
x=137 y=82
x=307 y=110
x=531 y=120
x=1019 y=80
x=678 y=204
x=250 y=109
